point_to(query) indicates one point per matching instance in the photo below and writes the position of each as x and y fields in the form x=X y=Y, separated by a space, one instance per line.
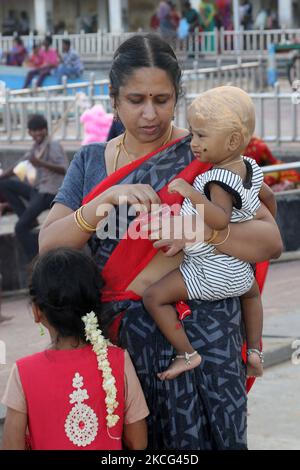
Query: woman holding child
x=205 y=408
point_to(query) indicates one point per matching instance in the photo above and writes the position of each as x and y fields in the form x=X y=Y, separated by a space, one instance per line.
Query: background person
x=71 y=65
x=49 y=62
x=17 y=54
x=64 y=289
x=29 y=201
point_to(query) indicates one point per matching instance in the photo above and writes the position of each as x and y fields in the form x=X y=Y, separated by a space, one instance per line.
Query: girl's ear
x=37 y=314
x=234 y=141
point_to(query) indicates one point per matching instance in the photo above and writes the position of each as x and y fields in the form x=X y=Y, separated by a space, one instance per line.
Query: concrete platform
x=12 y=261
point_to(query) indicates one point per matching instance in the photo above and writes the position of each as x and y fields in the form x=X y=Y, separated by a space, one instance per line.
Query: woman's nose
x=149 y=111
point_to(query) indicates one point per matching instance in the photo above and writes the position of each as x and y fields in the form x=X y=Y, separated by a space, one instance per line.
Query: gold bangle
x=82 y=223
x=85 y=223
x=214 y=235
x=79 y=225
x=221 y=243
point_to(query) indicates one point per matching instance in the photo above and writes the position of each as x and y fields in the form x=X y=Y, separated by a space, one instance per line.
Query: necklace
x=240 y=160
x=121 y=146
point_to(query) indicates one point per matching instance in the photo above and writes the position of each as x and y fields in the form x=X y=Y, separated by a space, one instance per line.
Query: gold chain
x=240 y=160
x=121 y=146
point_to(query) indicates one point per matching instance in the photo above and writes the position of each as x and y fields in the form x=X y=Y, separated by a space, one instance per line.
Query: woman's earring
x=42 y=331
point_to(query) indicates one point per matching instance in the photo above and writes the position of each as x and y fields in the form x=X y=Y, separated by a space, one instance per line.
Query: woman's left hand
x=172 y=234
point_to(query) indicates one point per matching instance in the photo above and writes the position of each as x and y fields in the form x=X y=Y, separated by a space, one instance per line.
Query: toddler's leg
x=253 y=318
x=157 y=300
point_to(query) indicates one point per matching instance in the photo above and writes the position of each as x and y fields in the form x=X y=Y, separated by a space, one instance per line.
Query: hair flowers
x=99 y=343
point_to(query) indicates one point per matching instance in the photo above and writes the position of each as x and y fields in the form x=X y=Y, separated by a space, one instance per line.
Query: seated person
x=49 y=62
x=17 y=54
x=71 y=65
x=27 y=200
x=35 y=59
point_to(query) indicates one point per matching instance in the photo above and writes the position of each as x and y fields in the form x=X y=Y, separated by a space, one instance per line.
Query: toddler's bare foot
x=254 y=365
x=178 y=366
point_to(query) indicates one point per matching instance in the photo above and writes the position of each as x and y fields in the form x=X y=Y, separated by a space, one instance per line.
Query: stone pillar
x=115 y=15
x=40 y=16
x=43 y=19
x=236 y=16
x=285 y=13
x=195 y=4
x=103 y=15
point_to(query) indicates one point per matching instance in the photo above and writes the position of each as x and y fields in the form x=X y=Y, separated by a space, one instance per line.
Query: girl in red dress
x=82 y=392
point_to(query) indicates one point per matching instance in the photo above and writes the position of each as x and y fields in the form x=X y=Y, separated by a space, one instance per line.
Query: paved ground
x=274 y=420
x=274 y=411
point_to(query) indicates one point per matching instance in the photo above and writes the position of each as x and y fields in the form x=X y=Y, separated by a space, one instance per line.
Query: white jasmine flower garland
x=94 y=336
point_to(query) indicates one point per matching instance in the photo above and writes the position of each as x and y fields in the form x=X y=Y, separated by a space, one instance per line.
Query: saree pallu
x=205 y=408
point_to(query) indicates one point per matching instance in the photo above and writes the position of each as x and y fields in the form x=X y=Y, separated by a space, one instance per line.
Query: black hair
x=19 y=40
x=48 y=40
x=67 y=42
x=143 y=50
x=65 y=285
x=37 y=122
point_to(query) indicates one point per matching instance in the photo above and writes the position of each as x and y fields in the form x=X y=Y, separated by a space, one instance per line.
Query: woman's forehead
x=148 y=80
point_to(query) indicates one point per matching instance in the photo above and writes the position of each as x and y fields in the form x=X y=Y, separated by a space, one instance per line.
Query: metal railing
x=102 y=45
x=90 y=87
x=248 y=75
x=277 y=115
x=53 y=101
x=255 y=42
x=281 y=167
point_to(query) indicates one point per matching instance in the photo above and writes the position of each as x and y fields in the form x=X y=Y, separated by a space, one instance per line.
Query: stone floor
x=274 y=419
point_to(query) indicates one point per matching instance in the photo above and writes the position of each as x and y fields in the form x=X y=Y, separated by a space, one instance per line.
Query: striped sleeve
x=257 y=174
x=229 y=181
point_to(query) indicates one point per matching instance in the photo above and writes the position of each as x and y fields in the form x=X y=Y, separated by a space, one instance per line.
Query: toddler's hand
x=180 y=186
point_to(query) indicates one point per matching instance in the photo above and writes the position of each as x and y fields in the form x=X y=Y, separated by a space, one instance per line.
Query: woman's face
x=146 y=104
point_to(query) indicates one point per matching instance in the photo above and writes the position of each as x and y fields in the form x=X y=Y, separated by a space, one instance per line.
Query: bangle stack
x=82 y=223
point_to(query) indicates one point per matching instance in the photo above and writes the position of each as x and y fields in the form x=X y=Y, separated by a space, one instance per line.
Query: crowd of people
x=86 y=392
x=210 y=14
x=14 y=23
x=44 y=60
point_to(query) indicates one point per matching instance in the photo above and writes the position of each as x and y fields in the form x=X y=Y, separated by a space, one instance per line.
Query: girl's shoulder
x=30 y=358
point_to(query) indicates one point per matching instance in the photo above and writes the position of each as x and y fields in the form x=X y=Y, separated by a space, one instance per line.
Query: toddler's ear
x=234 y=141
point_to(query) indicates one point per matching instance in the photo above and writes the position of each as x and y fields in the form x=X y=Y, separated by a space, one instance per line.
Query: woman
x=204 y=409
x=17 y=54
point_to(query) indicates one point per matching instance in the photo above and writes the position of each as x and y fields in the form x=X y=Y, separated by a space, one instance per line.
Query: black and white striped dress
x=207 y=273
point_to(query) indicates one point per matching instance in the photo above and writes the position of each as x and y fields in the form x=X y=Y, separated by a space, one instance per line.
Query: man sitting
x=48 y=63
x=50 y=162
x=71 y=65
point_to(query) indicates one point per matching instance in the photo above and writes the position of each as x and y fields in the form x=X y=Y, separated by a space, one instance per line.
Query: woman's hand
x=133 y=194
x=172 y=234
